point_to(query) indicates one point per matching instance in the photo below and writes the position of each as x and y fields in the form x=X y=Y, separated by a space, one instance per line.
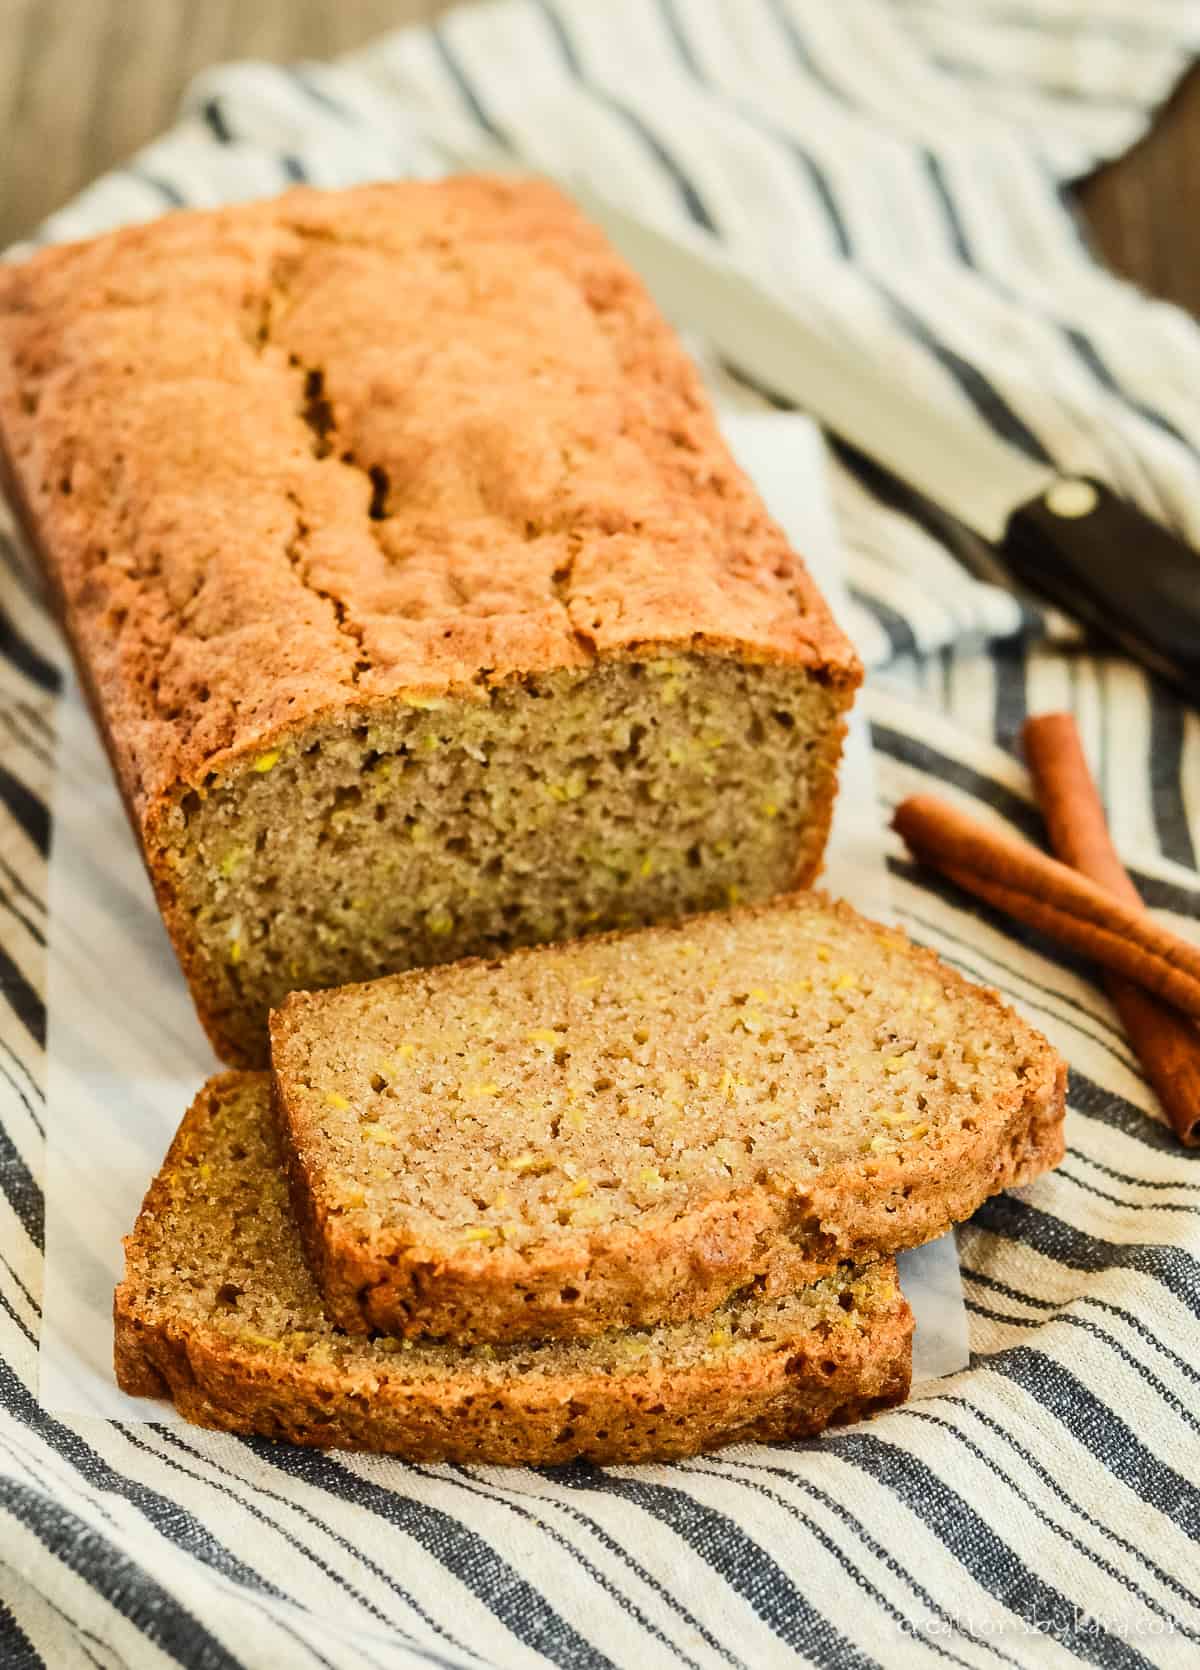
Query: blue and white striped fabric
x=899 y=166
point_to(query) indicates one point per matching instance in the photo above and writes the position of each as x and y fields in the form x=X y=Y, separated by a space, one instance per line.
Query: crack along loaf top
x=340 y=446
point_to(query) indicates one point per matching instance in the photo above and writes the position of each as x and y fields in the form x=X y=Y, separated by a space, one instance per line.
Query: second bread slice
x=623 y=1131
x=218 y=1311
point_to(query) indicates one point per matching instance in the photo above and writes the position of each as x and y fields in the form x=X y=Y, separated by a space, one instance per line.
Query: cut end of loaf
x=218 y=1310
x=327 y=466
x=415 y=832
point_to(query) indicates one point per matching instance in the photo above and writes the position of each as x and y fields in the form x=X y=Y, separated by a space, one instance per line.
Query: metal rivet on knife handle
x=1071 y=497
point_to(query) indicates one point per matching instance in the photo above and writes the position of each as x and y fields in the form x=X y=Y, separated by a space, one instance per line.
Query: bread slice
x=218 y=1311
x=413 y=631
x=625 y=1130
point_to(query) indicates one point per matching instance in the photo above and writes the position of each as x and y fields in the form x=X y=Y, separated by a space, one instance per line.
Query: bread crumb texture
x=625 y=1130
x=393 y=531
x=218 y=1311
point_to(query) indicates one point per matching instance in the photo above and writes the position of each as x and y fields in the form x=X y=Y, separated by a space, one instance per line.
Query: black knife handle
x=1102 y=560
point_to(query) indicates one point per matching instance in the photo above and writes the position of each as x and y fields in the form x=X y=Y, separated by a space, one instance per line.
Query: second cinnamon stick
x=1166 y=1043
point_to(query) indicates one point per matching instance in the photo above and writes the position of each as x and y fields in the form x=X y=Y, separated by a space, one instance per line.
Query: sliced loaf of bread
x=412 y=629
x=219 y=1312
x=623 y=1131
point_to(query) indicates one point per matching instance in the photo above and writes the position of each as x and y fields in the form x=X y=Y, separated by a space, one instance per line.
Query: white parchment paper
x=126 y=1053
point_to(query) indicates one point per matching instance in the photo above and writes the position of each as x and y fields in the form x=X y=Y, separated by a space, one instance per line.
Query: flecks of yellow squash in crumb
x=481 y=1232
x=573 y=787
x=530 y=1164
x=267 y=761
x=542 y=1035
x=335 y=1100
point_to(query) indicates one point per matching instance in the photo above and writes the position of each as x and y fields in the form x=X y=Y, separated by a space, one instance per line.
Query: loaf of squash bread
x=218 y=1311
x=421 y=604
x=624 y=1130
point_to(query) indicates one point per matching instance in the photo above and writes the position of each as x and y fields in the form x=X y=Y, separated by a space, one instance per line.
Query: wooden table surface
x=84 y=82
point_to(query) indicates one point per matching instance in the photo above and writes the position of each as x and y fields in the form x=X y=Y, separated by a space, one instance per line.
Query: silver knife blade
x=971 y=473
x=967 y=470
x=1072 y=540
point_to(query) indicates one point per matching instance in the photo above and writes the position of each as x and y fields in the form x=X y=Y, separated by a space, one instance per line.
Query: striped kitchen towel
x=901 y=167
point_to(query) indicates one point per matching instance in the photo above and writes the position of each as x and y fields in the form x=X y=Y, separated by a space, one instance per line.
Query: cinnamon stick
x=1023 y=882
x=1166 y=1043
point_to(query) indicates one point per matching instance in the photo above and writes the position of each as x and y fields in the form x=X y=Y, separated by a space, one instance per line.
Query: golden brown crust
x=300 y=488
x=781 y=1232
x=670 y=1403
x=661 y=1416
x=810 y=859
x=267 y=518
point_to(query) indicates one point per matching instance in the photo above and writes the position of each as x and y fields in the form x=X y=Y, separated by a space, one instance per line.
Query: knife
x=1069 y=538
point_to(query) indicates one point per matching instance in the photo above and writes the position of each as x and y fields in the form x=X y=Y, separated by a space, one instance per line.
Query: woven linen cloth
x=899 y=167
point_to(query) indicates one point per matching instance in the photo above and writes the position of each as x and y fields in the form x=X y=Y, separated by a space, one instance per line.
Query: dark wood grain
x=83 y=83
x=1144 y=211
